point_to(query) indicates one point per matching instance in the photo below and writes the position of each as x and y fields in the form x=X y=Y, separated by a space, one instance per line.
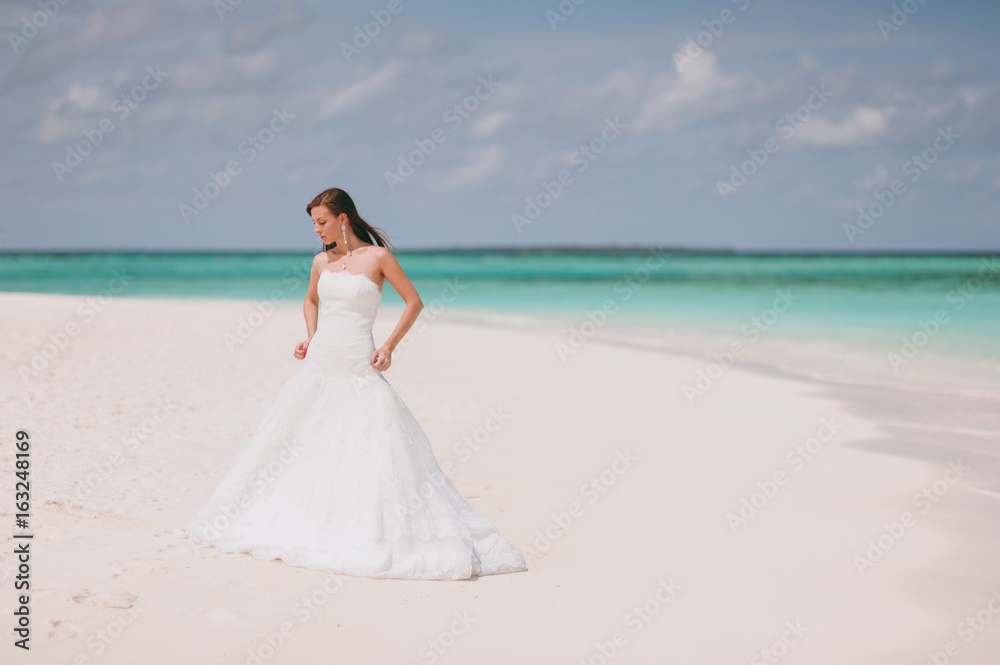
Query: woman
x=339 y=476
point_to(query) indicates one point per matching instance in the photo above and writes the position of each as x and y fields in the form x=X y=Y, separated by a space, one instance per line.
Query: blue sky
x=929 y=89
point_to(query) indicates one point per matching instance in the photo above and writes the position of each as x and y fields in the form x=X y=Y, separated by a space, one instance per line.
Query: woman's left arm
x=382 y=357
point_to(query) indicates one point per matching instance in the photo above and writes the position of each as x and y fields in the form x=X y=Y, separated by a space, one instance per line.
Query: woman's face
x=326 y=225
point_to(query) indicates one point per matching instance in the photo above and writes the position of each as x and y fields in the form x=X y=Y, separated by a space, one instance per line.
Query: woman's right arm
x=310 y=308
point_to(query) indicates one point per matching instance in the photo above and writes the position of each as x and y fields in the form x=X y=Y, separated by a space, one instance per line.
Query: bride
x=338 y=475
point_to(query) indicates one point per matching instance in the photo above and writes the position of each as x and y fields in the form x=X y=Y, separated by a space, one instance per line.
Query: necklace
x=343 y=266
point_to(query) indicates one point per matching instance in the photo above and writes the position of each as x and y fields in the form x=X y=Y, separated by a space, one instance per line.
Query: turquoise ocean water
x=876 y=300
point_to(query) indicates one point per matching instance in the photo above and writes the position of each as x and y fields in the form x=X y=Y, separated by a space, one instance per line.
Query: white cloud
x=623 y=84
x=863 y=125
x=942 y=68
x=488 y=124
x=807 y=61
x=246 y=35
x=360 y=91
x=973 y=95
x=226 y=110
x=482 y=163
x=695 y=91
x=877 y=179
x=63 y=116
x=970 y=171
x=102 y=27
x=222 y=71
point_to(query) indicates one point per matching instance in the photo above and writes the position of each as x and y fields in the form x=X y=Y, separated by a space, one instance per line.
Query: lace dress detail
x=339 y=476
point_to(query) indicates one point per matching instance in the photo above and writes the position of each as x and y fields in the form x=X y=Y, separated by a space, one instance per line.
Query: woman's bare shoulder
x=377 y=251
x=321 y=260
x=381 y=256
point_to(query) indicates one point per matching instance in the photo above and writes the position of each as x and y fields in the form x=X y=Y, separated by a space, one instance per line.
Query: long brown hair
x=339 y=201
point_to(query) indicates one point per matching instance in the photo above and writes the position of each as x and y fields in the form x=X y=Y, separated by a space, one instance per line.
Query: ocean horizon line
x=590 y=250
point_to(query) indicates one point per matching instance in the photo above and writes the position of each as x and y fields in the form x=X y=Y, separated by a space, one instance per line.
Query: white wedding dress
x=340 y=477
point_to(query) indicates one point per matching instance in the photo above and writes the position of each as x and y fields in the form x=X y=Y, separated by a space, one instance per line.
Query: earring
x=343 y=230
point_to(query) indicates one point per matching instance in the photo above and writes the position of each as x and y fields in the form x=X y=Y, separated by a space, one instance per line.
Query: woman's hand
x=382 y=358
x=301 y=348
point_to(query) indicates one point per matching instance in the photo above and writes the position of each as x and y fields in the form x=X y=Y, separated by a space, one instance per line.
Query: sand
x=624 y=496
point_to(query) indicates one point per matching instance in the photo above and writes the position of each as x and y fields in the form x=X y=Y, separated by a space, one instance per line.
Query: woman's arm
x=393 y=272
x=310 y=308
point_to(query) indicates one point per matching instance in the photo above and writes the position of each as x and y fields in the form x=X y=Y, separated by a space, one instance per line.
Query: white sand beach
x=852 y=547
